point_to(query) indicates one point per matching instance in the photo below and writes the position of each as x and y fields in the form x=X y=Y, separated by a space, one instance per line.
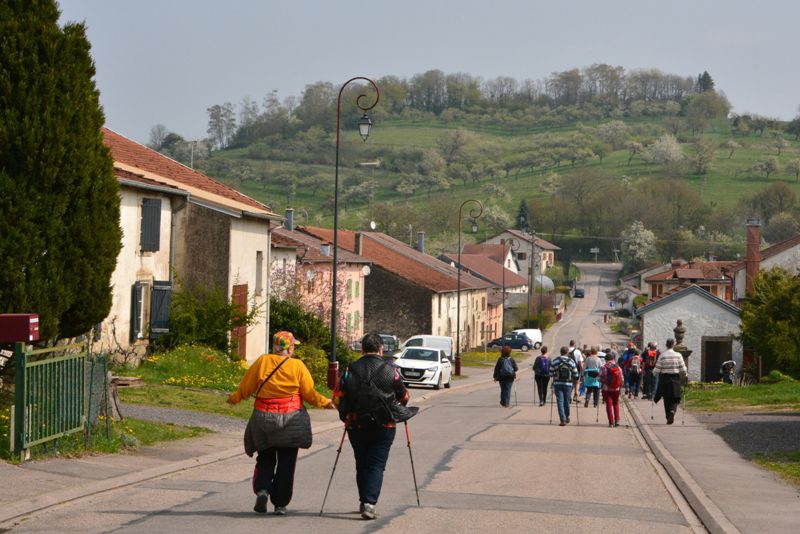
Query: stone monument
x=680 y=331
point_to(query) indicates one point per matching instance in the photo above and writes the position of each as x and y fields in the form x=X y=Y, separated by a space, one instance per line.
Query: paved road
x=479 y=467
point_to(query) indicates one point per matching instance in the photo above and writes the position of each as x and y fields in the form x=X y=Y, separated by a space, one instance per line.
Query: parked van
x=436 y=342
x=533 y=333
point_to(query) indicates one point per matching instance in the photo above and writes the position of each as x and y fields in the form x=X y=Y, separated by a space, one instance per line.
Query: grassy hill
x=729 y=179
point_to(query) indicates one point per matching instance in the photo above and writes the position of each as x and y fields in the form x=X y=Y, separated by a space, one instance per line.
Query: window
x=358 y=288
x=150 y=237
x=349 y=322
x=349 y=289
x=483 y=304
x=522 y=256
x=137 y=299
x=259 y=271
x=160 y=301
x=440 y=305
x=356 y=319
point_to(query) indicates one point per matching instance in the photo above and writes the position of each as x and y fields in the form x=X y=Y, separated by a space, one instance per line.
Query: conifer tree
x=59 y=199
x=523 y=216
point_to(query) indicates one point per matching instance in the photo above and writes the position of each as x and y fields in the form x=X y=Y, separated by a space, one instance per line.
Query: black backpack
x=564 y=370
x=506 y=369
x=372 y=406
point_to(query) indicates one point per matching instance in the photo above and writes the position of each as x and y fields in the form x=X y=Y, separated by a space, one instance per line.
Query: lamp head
x=364 y=124
x=474 y=226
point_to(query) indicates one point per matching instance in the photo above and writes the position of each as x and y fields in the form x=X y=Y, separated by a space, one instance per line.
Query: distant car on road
x=515 y=341
x=426 y=366
x=580 y=293
x=390 y=344
x=533 y=333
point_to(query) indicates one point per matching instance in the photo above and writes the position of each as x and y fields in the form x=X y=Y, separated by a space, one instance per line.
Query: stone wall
x=702 y=318
x=394 y=306
x=202 y=247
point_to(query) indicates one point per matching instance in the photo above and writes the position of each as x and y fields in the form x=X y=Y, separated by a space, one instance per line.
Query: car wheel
x=439 y=383
x=537 y=345
x=449 y=380
x=524 y=348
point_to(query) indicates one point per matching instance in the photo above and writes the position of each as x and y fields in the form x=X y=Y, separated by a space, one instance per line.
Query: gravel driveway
x=217 y=423
x=749 y=433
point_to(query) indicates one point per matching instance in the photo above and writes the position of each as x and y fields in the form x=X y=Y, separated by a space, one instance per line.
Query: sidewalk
x=37 y=485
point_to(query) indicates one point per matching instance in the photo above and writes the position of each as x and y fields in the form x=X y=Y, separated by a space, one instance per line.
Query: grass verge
x=717 y=397
x=127 y=434
x=786 y=464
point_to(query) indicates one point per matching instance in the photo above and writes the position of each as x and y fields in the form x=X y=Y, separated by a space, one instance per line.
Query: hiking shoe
x=616 y=423
x=280 y=510
x=586 y=404
x=261 y=502
x=670 y=418
x=562 y=423
x=567 y=420
x=368 y=511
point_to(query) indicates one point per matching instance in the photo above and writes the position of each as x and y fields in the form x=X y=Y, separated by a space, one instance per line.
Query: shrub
x=776 y=376
x=316 y=360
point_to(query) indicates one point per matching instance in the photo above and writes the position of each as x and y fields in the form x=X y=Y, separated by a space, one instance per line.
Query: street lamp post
x=364 y=124
x=474 y=213
x=514 y=246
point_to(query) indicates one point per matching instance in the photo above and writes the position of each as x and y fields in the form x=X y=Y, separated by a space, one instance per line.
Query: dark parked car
x=579 y=293
x=516 y=341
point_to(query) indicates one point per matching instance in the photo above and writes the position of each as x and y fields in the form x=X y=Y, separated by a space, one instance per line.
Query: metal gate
x=50 y=399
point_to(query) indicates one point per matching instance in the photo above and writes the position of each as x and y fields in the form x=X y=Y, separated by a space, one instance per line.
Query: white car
x=534 y=334
x=426 y=366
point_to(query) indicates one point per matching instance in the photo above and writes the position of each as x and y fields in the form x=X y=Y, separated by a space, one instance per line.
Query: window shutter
x=160 y=301
x=151 y=224
x=137 y=292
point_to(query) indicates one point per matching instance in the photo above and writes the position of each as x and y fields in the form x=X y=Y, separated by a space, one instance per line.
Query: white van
x=534 y=334
x=436 y=342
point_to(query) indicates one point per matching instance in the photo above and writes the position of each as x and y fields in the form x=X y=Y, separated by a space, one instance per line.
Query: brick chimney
x=753 y=258
x=421 y=241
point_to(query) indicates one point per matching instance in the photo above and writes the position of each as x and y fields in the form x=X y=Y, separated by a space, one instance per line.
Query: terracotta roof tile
x=495 y=251
x=398 y=258
x=701 y=270
x=134 y=177
x=131 y=153
x=489 y=269
x=311 y=247
x=541 y=243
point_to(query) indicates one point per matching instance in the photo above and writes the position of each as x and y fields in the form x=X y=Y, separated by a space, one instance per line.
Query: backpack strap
x=270 y=375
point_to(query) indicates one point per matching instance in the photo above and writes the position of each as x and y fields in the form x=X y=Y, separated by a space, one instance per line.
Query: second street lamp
x=364 y=124
x=474 y=213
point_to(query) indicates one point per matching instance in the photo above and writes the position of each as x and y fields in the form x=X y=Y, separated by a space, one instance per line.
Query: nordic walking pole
x=411 y=456
x=552 y=398
x=338 y=452
x=515 y=392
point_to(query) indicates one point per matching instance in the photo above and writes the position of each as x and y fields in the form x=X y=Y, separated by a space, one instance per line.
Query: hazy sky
x=166 y=61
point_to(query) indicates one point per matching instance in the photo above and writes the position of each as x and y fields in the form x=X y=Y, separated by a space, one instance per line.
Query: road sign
x=594 y=250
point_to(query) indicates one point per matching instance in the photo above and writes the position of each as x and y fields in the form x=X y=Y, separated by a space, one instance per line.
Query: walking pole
x=597 y=417
x=552 y=398
x=536 y=391
x=515 y=392
x=683 y=400
x=338 y=452
x=413 y=472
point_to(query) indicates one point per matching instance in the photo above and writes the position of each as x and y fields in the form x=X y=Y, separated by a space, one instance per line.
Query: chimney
x=325 y=249
x=421 y=241
x=289 y=222
x=675 y=263
x=357 y=249
x=753 y=258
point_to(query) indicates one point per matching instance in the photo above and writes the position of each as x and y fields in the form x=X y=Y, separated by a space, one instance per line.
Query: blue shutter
x=160 y=301
x=151 y=224
x=137 y=292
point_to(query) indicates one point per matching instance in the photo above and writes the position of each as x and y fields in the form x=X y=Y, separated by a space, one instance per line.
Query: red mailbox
x=22 y=327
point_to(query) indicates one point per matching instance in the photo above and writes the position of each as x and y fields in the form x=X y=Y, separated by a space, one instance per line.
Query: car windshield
x=389 y=343
x=426 y=355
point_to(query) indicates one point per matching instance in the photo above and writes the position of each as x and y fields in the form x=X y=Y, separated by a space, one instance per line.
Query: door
x=239 y=333
x=715 y=351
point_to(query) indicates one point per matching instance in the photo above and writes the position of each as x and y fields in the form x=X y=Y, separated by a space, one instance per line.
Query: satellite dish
x=365 y=270
x=373 y=225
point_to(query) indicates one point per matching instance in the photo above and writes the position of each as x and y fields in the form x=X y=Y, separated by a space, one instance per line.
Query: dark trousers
x=594 y=392
x=506 y=385
x=648 y=384
x=274 y=473
x=371 y=450
x=541 y=386
x=634 y=383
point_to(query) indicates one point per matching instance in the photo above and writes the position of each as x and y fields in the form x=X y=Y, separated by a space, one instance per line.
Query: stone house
x=709 y=275
x=310 y=273
x=180 y=226
x=531 y=251
x=712 y=327
x=785 y=254
x=409 y=292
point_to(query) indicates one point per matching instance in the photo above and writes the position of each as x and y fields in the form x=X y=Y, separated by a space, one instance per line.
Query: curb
x=12 y=511
x=709 y=513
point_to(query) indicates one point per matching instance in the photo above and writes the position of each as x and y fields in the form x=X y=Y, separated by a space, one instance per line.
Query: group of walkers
x=591 y=373
x=371 y=400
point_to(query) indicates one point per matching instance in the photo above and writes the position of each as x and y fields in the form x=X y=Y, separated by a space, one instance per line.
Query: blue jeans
x=563 y=394
x=371 y=450
x=634 y=383
x=505 y=391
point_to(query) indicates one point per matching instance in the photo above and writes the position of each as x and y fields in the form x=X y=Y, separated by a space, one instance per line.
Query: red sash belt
x=281 y=405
